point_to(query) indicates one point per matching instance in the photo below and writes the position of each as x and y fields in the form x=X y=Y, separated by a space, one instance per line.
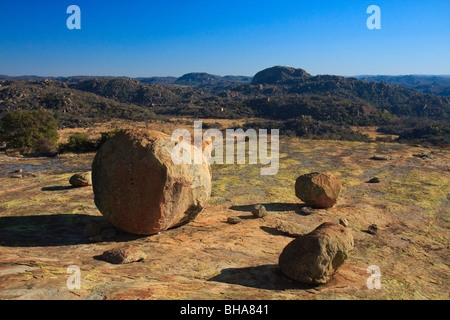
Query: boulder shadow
x=268 y=277
x=273 y=206
x=57 y=188
x=50 y=230
x=275 y=232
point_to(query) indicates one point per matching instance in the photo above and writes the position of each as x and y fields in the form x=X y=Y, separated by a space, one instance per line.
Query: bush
x=22 y=128
x=78 y=143
x=43 y=148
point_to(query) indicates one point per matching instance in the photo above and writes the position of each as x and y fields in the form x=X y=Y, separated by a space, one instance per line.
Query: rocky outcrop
x=318 y=190
x=138 y=187
x=314 y=258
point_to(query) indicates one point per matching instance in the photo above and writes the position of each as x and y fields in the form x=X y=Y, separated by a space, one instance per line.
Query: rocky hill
x=280 y=75
x=437 y=85
x=277 y=93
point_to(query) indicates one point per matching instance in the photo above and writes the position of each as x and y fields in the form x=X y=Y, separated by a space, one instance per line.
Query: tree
x=22 y=128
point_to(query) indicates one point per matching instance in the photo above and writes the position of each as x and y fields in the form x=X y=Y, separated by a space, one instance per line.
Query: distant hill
x=280 y=75
x=202 y=78
x=278 y=93
x=157 y=80
x=71 y=107
x=198 y=78
x=437 y=85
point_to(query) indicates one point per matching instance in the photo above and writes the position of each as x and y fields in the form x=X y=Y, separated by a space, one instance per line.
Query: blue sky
x=170 y=38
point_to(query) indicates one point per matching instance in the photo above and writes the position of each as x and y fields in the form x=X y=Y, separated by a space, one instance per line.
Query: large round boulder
x=138 y=187
x=318 y=190
x=314 y=258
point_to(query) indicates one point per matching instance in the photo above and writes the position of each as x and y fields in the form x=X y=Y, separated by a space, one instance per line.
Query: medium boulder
x=314 y=258
x=138 y=187
x=81 y=179
x=318 y=190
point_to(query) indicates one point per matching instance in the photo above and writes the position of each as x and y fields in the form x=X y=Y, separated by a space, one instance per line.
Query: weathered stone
x=122 y=255
x=290 y=229
x=259 y=211
x=81 y=179
x=374 y=180
x=233 y=220
x=343 y=222
x=314 y=258
x=307 y=210
x=373 y=229
x=381 y=157
x=138 y=187
x=318 y=190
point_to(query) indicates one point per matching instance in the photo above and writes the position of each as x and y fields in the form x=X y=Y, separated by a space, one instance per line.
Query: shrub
x=22 y=128
x=78 y=143
x=43 y=148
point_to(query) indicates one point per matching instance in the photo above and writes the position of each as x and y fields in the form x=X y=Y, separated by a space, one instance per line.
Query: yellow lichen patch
x=419 y=188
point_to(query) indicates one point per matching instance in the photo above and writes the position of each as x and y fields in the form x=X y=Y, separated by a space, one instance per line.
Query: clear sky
x=171 y=38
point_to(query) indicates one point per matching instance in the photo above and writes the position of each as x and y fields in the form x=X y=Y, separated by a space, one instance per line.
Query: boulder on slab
x=122 y=255
x=259 y=211
x=81 y=179
x=140 y=190
x=314 y=258
x=318 y=190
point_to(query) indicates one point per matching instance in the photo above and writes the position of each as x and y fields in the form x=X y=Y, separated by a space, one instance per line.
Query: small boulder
x=314 y=258
x=307 y=210
x=122 y=255
x=374 y=180
x=233 y=220
x=259 y=211
x=291 y=229
x=381 y=157
x=81 y=179
x=318 y=190
x=373 y=229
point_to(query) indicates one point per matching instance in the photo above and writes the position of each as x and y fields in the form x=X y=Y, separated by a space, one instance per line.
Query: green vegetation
x=80 y=143
x=23 y=128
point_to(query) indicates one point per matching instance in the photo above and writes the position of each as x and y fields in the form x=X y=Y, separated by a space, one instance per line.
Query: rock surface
x=318 y=190
x=316 y=257
x=138 y=187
